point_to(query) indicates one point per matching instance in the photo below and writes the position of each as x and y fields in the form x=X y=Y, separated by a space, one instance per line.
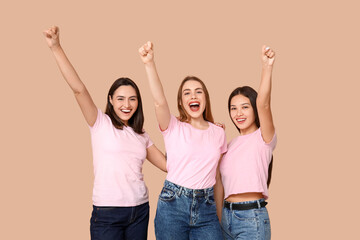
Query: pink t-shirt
x=118 y=156
x=244 y=168
x=193 y=154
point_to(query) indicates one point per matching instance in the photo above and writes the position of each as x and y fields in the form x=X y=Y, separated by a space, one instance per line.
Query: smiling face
x=124 y=102
x=242 y=114
x=193 y=99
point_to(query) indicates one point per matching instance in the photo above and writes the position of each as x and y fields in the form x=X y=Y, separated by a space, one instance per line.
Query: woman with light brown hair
x=194 y=144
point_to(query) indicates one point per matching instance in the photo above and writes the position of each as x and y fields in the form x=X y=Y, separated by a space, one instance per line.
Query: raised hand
x=268 y=56
x=147 y=53
x=52 y=36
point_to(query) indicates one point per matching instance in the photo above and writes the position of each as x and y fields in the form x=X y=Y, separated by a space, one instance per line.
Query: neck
x=126 y=123
x=249 y=130
x=199 y=122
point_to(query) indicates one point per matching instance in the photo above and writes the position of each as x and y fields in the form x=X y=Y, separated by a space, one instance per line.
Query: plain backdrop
x=46 y=173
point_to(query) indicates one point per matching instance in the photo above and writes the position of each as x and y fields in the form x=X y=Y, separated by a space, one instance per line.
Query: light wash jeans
x=184 y=214
x=246 y=224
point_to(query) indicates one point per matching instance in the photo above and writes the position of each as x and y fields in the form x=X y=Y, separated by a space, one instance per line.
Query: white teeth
x=240 y=120
x=194 y=104
x=125 y=111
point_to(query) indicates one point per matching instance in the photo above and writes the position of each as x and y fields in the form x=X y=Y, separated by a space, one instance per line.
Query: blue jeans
x=184 y=213
x=110 y=223
x=246 y=224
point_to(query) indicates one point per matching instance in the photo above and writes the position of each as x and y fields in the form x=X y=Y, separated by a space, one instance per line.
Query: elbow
x=160 y=104
x=80 y=90
x=263 y=103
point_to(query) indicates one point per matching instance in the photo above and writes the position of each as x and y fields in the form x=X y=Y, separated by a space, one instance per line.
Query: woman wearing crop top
x=120 y=146
x=246 y=167
x=186 y=208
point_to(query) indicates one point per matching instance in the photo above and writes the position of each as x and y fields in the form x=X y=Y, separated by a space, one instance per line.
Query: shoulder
x=216 y=128
x=101 y=119
x=271 y=144
x=233 y=142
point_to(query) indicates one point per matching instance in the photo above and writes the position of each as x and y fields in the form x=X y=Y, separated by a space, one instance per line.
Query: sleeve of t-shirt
x=272 y=143
x=224 y=143
x=149 y=143
x=99 y=119
x=172 y=124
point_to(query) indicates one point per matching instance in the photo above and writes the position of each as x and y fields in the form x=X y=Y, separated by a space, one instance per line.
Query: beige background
x=46 y=167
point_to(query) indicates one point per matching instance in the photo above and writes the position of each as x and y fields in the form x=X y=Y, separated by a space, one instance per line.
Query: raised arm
x=264 y=95
x=82 y=96
x=161 y=106
x=156 y=157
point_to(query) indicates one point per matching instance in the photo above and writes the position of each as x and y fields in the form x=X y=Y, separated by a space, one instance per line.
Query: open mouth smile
x=194 y=106
x=240 y=120
x=126 y=111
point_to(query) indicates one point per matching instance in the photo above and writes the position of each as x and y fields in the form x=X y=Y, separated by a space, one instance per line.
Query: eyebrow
x=240 y=104
x=189 y=89
x=125 y=97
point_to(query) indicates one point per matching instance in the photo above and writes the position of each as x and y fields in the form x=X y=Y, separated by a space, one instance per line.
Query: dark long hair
x=184 y=117
x=136 y=122
x=251 y=94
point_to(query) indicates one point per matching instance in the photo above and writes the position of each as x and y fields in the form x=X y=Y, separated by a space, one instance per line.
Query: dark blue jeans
x=184 y=213
x=110 y=223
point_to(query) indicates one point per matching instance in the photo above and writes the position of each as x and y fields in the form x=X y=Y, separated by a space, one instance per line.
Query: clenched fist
x=147 y=53
x=268 y=56
x=52 y=37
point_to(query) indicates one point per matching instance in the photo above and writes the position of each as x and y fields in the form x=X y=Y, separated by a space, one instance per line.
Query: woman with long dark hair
x=246 y=167
x=120 y=146
x=194 y=144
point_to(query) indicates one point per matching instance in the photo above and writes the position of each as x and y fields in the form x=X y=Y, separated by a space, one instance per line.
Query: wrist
x=267 y=67
x=150 y=63
x=55 y=47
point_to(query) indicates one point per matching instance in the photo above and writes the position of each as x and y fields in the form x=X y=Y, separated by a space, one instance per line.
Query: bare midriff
x=243 y=197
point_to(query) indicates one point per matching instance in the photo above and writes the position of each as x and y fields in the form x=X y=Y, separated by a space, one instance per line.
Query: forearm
x=68 y=71
x=156 y=87
x=156 y=157
x=264 y=93
x=219 y=196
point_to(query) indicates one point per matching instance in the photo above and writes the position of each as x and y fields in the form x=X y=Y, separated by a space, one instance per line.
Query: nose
x=127 y=104
x=193 y=95
x=239 y=112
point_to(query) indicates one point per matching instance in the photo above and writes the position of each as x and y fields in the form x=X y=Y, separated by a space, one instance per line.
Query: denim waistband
x=188 y=191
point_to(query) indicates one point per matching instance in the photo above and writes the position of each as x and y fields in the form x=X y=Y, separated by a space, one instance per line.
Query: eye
x=186 y=93
x=233 y=108
x=120 y=99
x=245 y=107
x=200 y=92
x=132 y=99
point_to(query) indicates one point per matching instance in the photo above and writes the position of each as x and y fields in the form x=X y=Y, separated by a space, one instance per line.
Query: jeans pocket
x=167 y=194
x=265 y=228
x=244 y=224
x=210 y=199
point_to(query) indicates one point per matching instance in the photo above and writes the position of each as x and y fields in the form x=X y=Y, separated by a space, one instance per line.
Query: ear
x=110 y=99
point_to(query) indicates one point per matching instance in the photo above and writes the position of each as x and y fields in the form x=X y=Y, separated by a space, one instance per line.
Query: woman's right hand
x=147 y=53
x=52 y=37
